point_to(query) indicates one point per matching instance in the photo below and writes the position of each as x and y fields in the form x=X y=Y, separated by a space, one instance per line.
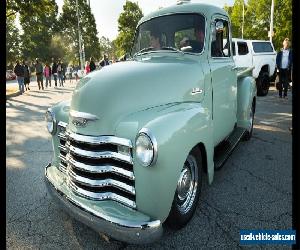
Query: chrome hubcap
x=187 y=185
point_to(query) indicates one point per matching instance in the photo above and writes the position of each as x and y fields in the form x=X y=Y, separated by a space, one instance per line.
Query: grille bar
x=101 y=183
x=97 y=140
x=97 y=169
x=97 y=155
x=96 y=166
x=102 y=196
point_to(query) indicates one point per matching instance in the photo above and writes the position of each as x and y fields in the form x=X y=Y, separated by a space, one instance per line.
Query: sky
x=106 y=12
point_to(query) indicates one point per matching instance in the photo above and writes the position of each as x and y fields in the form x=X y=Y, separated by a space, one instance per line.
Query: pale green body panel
x=155 y=92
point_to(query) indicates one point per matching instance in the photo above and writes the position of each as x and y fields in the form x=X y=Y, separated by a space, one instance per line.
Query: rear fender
x=246 y=91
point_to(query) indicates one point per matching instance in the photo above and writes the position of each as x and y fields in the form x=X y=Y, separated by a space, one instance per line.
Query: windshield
x=177 y=32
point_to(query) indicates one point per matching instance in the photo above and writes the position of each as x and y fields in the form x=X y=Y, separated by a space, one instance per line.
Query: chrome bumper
x=142 y=232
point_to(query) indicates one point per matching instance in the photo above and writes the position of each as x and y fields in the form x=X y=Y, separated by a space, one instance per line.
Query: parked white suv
x=258 y=54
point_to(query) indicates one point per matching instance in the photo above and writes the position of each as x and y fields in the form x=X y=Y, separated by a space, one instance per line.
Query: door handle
x=234 y=68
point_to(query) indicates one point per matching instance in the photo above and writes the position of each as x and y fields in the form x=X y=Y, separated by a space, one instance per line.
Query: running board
x=224 y=149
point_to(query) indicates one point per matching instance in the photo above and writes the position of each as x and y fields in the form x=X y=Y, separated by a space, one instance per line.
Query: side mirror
x=219 y=26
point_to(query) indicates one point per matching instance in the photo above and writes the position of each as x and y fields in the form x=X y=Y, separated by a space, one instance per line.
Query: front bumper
x=135 y=230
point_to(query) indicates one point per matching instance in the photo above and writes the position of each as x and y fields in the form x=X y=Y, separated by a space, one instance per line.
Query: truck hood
x=120 y=89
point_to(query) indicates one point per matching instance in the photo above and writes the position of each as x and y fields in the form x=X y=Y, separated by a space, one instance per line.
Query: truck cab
x=259 y=54
x=133 y=144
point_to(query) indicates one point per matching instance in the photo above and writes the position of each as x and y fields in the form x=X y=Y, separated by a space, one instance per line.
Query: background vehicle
x=10 y=75
x=133 y=144
x=258 y=54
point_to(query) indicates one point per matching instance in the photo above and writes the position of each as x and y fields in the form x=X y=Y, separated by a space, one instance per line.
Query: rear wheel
x=249 y=131
x=263 y=84
x=188 y=191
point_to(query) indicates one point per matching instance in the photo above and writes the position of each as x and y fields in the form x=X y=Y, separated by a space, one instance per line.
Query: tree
x=69 y=27
x=37 y=28
x=257 y=20
x=127 y=21
x=237 y=18
x=12 y=40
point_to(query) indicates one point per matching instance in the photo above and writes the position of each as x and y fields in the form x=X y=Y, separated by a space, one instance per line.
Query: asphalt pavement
x=252 y=191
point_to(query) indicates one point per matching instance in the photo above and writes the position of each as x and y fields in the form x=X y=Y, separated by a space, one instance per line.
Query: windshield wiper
x=143 y=50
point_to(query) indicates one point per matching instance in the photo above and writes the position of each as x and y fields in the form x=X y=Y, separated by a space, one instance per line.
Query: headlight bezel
x=147 y=133
x=54 y=122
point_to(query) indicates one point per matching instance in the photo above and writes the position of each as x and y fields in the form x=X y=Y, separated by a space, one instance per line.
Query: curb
x=13 y=94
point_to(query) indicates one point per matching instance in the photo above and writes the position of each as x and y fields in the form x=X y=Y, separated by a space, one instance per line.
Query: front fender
x=177 y=128
x=61 y=112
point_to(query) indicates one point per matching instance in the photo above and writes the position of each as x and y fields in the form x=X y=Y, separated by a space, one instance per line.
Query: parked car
x=260 y=55
x=10 y=75
x=133 y=144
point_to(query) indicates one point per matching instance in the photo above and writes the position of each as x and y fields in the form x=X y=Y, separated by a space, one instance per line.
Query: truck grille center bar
x=97 y=167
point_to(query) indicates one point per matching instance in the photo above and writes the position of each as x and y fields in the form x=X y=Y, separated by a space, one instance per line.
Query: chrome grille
x=98 y=167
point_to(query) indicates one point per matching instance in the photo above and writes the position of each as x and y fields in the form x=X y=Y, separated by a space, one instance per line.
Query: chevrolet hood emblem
x=80 y=119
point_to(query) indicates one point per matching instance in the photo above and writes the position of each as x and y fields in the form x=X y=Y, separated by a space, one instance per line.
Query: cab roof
x=206 y=9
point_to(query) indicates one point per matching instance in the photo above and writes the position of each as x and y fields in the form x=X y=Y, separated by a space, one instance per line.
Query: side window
x=233 y=48
x=242 y=48
x=220 y=39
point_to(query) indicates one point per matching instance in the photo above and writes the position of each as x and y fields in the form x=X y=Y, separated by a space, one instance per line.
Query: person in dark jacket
x=26 y=75
x=92 y=64
x=19 y=71
x=104 y=61
x=54 y=71
x=39 y=73
x=284 y=61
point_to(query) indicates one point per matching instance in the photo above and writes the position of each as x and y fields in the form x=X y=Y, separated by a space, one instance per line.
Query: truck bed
x=244 y=71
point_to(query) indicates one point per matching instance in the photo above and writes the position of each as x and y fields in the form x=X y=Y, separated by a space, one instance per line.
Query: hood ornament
x=80 y=119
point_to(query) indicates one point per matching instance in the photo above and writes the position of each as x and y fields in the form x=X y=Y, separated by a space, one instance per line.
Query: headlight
x=51 y=122
x=146 y=148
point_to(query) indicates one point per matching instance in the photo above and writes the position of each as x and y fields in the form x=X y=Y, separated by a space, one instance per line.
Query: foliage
x=12 y=40
x=257 y=20
x=37 y=29
x=88 y=30
x=127 y=21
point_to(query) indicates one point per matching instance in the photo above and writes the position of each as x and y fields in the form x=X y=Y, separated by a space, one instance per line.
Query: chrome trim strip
x=62 y=148
x=99 y=169
x=63 y=158
x=134 y=232
x=102 y=196
x=76 y=114
x=96 y=140
x=62 y=136
x=62 y=124
x=99 y=155
x=101 y=183
x=63 y=168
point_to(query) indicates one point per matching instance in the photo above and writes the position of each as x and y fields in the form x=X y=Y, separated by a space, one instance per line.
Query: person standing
x=87 y=68
x=54 y=71
x=39 y=73
x=284 y=63
x=92 y=64
x=104 y=61
x=60 y=73
x=26 y=75
x=47 y=74
x=64 y=68
x=19 y=71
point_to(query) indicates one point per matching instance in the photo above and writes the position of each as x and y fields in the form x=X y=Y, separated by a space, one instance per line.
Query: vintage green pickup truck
x=133 y=144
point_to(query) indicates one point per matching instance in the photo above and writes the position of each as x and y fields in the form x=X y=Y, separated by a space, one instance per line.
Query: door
x=224 y=79
x=243 y=57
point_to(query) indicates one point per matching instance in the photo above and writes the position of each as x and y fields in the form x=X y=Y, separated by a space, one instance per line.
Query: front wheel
x=263 y=84
x=188 y=191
